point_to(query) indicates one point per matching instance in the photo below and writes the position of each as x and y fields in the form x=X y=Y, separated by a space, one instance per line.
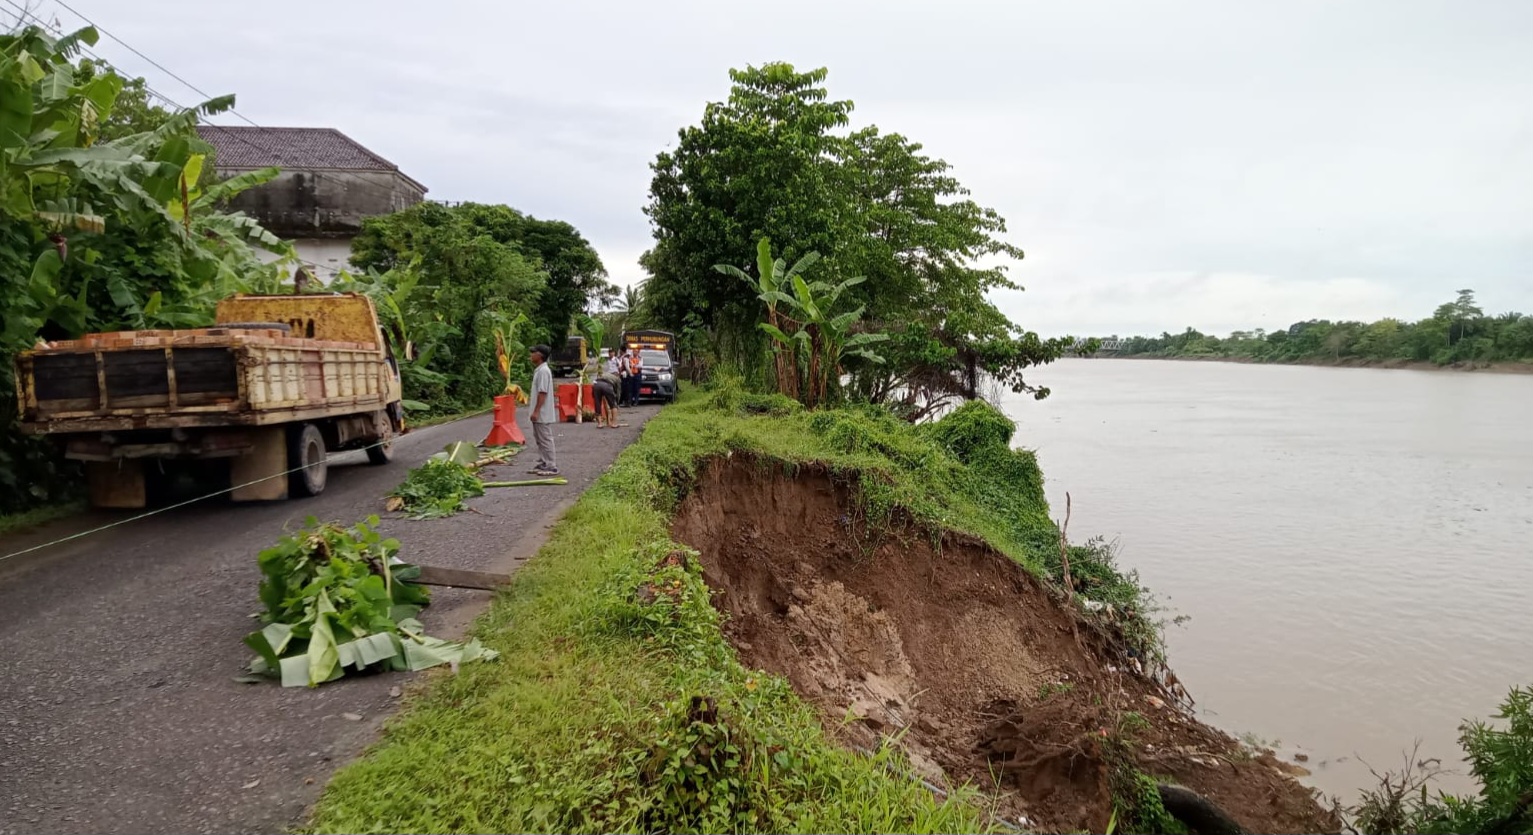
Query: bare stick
x=1064 y=551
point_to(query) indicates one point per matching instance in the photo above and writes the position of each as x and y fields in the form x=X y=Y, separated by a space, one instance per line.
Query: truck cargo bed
x=205 y=377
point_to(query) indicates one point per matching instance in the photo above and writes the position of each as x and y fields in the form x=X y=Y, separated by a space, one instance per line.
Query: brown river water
x=1354 y=547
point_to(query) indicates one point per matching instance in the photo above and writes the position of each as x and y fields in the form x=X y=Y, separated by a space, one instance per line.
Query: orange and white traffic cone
x=505 y=431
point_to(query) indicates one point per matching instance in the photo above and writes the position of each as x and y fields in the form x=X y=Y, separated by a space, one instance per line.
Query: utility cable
x=199 y=91
x=354 y=180
x=160 y=510
x=361 y=185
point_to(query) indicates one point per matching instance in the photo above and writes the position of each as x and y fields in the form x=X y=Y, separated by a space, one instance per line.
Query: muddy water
x=1354 y=547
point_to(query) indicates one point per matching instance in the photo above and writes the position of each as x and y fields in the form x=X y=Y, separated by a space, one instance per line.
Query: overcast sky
x=1216 y=164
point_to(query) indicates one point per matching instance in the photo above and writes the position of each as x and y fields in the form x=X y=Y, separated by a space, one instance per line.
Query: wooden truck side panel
x=212 y=376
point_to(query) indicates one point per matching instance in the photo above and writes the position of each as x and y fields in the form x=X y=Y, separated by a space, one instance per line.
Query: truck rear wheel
x=306 y=450
x=382 y=450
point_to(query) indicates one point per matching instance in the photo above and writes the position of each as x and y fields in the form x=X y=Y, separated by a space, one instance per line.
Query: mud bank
x=992 y=679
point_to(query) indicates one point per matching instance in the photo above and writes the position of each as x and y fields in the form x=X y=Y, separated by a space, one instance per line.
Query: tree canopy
x=1457 y=332
x=775 y=160
x=454 y=276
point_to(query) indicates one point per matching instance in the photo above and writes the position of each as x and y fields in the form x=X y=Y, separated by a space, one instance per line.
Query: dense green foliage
x=811 y=334
x=133 y=112
x=771 y=161
x=450 y=277
x=106 y=222
x=1457 y=332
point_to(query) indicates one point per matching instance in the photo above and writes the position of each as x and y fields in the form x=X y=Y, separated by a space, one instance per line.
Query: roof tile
x=256 y=147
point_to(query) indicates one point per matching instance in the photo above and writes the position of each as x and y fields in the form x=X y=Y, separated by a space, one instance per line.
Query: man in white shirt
x=545 y=415
x=613 y=365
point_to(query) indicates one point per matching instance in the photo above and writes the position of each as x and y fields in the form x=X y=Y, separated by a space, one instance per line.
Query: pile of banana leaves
x=440 y=486
x=339 y=599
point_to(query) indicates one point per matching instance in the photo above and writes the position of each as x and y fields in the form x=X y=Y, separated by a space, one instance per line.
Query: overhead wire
x=167 y=508
x=24 y=14
x=235 y=134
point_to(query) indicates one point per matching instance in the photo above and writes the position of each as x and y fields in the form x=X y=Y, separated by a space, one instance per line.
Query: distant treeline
x=1458 y=332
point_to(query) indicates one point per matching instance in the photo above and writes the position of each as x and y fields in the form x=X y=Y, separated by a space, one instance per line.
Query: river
x=1354 y=547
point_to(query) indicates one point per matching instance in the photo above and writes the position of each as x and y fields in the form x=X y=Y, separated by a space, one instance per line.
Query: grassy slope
x=585 y=723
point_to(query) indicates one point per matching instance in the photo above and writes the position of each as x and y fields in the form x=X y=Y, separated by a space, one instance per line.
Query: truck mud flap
x=116 y=484
x=266 y=461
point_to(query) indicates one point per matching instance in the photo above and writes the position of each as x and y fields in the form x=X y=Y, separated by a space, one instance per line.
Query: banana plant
x=508 y=348
x=772 y=282
x=595 y=331
x=827 y=336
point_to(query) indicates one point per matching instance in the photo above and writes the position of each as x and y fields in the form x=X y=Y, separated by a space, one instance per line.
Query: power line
x=361 y=184
x=23 y=14
x=152 y=62
x=57 y=29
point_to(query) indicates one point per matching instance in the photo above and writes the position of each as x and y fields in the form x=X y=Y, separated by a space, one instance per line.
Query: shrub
x=972 y=427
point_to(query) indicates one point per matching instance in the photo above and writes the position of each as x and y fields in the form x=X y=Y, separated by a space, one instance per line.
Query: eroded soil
x=993 y=679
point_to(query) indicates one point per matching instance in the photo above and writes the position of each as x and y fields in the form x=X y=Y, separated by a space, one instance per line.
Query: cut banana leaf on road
x=534 y=482
x=410 y=650
x=461 y=453
x=337 y=599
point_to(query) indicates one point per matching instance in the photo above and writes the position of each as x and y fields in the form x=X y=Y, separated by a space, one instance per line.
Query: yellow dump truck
x=272 y=387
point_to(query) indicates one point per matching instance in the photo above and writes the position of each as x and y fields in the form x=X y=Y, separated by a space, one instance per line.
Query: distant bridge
x=1109 y=345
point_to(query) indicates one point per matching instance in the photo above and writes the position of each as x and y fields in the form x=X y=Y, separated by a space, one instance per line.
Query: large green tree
x=460 y=286
x=774 y=161
x=457 y=274
x=762 y=164
x=576 y=281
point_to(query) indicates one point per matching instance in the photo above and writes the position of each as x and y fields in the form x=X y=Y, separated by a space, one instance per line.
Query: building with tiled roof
x=329 y=184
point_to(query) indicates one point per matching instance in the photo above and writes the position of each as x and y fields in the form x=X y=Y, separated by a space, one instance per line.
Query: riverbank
x=729 y=628
x=1351 y=362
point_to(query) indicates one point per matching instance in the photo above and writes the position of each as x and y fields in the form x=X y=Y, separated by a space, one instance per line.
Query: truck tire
x=306 y=449
x=382 y=450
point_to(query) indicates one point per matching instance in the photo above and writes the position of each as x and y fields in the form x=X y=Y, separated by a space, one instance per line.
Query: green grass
x=19 y=522
x=587 y=723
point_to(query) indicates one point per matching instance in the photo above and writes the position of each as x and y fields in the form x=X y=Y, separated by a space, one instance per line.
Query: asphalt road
x=119 y=708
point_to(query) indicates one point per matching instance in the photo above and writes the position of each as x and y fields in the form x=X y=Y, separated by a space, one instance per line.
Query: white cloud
x=1201 y=163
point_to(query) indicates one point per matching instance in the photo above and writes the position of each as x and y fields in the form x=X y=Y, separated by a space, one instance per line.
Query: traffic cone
x=505 y=431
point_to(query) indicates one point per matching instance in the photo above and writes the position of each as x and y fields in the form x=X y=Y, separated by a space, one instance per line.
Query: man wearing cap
x=544 y=414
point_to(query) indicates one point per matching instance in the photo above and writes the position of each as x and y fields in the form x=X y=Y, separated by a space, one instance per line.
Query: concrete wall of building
x=327 y=255
x=323 y=257
x=304 y=204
